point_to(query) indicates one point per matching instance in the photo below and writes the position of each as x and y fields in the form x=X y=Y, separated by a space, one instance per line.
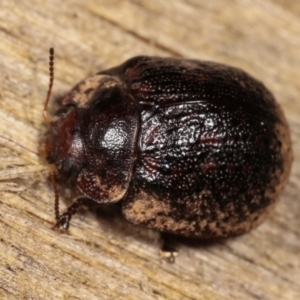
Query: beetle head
x=92 y=138
x=64 y=146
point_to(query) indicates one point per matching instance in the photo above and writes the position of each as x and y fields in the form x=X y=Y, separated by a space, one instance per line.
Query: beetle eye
x=67 y=166
x=64 y=110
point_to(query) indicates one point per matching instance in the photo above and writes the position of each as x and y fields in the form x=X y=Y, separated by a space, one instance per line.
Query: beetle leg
x=63 y=220
x=168 y=250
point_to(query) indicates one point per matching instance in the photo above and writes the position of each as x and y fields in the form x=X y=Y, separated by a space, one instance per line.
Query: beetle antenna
x=51 y=75
x=56 y=199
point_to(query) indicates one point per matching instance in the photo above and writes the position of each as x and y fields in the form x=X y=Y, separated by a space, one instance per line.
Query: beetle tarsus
x=168 y=250
x=63 y=221
x=169 y=256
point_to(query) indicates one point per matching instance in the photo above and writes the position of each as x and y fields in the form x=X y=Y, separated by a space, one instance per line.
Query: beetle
x=192 y=148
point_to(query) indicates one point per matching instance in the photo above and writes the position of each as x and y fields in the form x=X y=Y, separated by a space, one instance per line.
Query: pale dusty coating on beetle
x=286 y=150
x=283 y=134
x=116 y=192
x=95 y=189
x=156 y=214
x=86 y=89
x=287 y=153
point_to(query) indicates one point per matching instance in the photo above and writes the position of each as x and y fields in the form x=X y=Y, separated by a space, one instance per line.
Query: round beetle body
x=193 y=148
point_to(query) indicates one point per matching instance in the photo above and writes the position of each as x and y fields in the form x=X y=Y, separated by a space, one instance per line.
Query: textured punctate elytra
x=193 y=148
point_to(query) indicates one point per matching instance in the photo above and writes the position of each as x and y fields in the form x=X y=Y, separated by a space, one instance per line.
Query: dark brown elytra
x=191 y=148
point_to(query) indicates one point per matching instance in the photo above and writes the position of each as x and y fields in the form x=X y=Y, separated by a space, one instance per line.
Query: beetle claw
x=169 y=256
x=63 y=221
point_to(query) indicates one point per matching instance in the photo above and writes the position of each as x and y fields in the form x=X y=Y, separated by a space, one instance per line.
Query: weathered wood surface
x=111 y=259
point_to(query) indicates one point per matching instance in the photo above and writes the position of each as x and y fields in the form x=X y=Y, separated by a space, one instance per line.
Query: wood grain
x=104 y=258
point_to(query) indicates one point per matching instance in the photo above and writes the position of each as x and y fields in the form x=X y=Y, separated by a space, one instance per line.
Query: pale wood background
x=111 y=259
